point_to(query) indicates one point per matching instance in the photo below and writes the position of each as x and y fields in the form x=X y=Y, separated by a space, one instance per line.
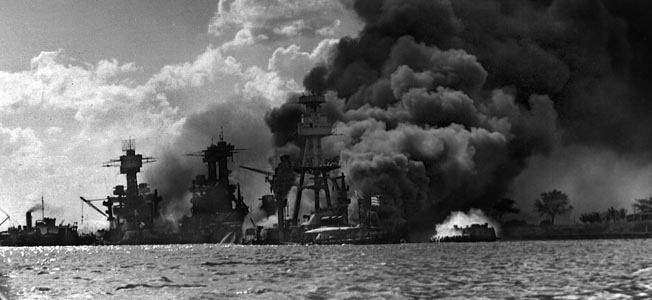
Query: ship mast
x=130 y=165
x=313 y=127
x=130 y=203
x=216 y=157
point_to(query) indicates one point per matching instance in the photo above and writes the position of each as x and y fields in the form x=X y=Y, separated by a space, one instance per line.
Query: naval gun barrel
x=266 y=173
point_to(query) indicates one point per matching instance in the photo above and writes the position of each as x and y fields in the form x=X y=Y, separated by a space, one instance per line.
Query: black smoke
x=35 y=207
x=439 y=104
x=240 y=122
x=590 y=57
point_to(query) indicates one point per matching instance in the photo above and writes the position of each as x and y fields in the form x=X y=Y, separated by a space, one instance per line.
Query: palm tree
x=552 y=203
x=643 y=205
x=612 y=214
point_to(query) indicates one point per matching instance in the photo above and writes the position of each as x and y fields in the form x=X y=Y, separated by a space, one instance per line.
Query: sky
x=77 y=77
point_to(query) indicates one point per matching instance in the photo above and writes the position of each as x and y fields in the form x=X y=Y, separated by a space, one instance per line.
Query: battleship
x=217 y=212
x=218 y=208
x=328 y=222
x=130 y=211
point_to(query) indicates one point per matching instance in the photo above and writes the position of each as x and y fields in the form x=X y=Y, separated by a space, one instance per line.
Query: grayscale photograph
x=325 y=149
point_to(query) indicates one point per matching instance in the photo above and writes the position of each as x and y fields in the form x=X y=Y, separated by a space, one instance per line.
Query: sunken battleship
x=131 y=211
x=218 y=208
x=328 y=221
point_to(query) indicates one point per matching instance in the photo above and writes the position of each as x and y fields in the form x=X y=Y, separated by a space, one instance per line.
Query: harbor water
x=598 y=269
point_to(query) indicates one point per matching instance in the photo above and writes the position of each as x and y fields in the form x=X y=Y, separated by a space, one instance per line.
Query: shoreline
x=616 y=230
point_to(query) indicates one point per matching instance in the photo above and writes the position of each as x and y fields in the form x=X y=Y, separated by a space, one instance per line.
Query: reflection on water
x=537 y=270
x=4 y=288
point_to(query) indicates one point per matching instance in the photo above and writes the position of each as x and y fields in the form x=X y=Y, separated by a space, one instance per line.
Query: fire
x=457 y=220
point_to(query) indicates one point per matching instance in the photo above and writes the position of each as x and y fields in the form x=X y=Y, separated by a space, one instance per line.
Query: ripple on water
x=516 y=270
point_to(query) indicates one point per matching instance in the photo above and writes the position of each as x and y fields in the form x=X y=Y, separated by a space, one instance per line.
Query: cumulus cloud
x=242 y=38
x=107 y=69
x=293 y=63
x=276 y=19
x=94 y=105
x=18 y=142
x=261 y=83
x=205 y=67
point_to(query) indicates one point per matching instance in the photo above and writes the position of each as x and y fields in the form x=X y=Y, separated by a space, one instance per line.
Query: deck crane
x=90 y=203
x=6 y=218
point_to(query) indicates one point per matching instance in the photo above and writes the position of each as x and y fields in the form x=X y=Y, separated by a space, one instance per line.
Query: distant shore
x=617 y=230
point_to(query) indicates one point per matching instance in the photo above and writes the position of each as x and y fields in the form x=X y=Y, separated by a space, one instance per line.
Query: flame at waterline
x=461 y=220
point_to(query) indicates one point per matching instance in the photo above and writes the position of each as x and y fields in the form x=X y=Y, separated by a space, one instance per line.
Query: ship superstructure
x=218 y=208
x=314 y=171
x=131 y=211
x=43 y=232
x=327 y=220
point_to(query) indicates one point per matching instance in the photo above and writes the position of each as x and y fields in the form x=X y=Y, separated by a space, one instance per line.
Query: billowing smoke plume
x=590 y=56
x=440 y=104
x=243 y=127
x=34 y=208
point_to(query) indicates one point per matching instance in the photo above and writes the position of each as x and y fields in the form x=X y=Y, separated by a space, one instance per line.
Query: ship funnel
x=28 y=219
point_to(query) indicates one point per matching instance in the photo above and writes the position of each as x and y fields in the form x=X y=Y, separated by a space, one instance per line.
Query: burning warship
x=328 y=222
x=218 y=208
x=43 y=232
x=131 y=212
x=217 y=212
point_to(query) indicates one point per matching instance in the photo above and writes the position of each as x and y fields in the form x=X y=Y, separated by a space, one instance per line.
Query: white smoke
x=259 y=217
x=461 y=220
x=268 y=222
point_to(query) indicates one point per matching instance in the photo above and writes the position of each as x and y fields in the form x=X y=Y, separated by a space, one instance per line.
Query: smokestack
x=28 y=219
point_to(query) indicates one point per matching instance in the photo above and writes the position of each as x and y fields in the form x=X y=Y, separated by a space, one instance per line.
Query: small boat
x=472 y=233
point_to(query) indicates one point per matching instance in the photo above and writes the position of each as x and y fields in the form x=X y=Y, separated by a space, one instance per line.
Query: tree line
x=556 y=203
x=610 y=215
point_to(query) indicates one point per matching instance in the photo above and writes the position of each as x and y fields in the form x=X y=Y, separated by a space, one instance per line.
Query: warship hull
x=34 y=240
x=326 y=235
x=44 y=233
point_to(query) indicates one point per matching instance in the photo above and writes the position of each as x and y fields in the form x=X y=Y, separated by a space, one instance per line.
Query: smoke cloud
x=593 y=179
x=243 y=127
x=34 y=208
x=440 y=105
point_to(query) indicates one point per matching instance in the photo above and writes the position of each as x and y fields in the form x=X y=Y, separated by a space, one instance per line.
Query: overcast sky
x=77 y=77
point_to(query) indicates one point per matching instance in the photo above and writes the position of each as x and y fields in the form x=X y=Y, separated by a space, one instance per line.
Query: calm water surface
x=608 y=269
